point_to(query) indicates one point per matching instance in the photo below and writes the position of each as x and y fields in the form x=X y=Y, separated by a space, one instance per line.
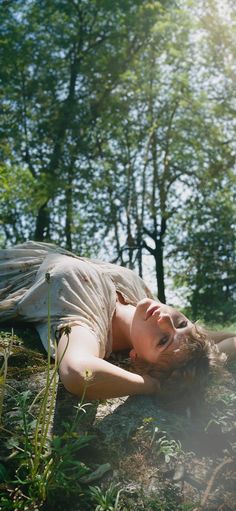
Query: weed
x=3 y=372
x=40 y=469
x=220 y=420
x=108 y=501
x=224 y=414
x=167 y=499
x=227 y=399
x=169 y=448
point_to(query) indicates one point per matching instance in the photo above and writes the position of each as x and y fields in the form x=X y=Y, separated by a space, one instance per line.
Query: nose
x=165 y=322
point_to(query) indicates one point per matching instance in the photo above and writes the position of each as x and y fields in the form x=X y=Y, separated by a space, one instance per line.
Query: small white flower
x=88 y=375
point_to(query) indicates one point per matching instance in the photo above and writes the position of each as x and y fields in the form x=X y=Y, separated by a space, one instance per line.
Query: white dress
x=36 y=277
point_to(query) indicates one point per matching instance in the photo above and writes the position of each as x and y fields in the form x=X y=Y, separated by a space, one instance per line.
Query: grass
x=38 y=469
x=43 y=470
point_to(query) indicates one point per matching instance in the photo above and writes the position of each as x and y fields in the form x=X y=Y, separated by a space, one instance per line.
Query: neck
x=121 y=324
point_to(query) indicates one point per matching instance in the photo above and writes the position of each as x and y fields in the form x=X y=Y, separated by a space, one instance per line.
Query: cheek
x=150 y=358
x=143 y=346
x=138 y=336
x=137 y=332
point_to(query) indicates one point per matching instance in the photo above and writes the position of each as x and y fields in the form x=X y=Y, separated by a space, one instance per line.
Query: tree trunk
x=157 y=253
x=69 y=209
x=159 y=263
x=139 y=249
x=42 y=229
x=159 y=260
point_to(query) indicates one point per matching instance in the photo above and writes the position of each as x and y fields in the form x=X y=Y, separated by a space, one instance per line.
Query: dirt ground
x=163 y=456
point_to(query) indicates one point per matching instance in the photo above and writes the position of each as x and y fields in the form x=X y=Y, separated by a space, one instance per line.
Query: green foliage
x=168 y=499
x=223 y=414
x=53 y=474
x=117 y=122
x=170 y=449
x=209 y=242
x=3 y=372
x=60 y=66
x=108 y=500
x=18 y=202
x=38 y=468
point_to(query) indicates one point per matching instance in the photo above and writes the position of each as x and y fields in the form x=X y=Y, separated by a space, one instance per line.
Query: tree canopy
x=118 y=138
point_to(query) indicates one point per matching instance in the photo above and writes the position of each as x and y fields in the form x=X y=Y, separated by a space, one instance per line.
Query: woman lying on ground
x=98 y=308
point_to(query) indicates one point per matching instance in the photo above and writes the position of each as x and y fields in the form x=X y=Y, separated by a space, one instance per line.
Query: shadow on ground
x=171 y=456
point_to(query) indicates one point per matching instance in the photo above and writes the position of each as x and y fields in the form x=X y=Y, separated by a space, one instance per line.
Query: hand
x=153 y=384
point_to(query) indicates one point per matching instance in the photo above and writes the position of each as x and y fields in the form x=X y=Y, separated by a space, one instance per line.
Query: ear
x=133 y=354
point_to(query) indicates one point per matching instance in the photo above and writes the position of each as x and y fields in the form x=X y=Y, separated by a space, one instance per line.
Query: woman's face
x=156 y=328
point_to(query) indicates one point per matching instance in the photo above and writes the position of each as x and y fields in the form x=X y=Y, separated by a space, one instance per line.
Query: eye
x=163 y=341
x=182 y=324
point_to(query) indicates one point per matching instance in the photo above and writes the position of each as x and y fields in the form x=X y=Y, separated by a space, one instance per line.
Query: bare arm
x=226 y=342
x=81 y=366
x=220 y=336
x=104 y=381
x=228 y=346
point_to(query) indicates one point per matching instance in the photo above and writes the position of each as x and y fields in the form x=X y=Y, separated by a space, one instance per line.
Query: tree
x=171 y=136
x=119 y=114
x=151 y=146
x=17 y=204
x=61 y=62
x=204 y=241
x=205 y=262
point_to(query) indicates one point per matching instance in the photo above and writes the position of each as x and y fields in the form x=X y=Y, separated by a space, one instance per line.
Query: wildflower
x=47 y=277
x=88 y=375
x=67 y=330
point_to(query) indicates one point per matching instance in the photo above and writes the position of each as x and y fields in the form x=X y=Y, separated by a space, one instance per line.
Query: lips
x=151 y=310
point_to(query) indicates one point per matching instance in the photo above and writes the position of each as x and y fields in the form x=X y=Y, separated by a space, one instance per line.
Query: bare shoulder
x=79 y=341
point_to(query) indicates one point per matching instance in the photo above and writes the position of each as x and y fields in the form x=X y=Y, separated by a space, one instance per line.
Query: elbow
x=77 y=380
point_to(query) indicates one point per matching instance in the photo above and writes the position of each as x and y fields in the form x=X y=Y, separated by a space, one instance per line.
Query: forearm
x=228 y=346
x=104 y=380
x=220 y=336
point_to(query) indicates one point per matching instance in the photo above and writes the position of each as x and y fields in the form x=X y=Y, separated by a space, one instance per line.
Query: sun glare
x=224 y=10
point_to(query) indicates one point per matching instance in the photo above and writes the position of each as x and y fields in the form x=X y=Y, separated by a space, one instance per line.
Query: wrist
x=152 y=385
